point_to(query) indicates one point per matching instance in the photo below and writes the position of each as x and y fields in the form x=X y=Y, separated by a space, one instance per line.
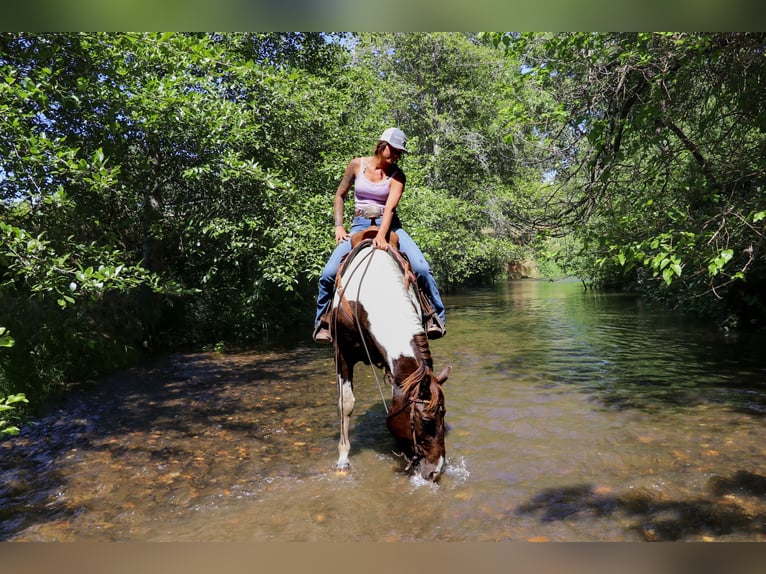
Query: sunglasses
x=394 y=151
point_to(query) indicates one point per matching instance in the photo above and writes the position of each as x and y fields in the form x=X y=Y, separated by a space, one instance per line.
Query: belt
x=369 y=211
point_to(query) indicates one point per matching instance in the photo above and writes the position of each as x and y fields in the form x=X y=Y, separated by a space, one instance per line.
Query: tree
x=158 y=188
x=657 y=145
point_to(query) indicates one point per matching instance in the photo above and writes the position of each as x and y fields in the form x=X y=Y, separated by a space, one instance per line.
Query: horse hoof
x=342 y=468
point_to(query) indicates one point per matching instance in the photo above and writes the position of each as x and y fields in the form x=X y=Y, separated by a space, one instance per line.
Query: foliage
x=8 y=403
x=5 y=338
x=658 y=142
x=450 y=235
x=162 y=190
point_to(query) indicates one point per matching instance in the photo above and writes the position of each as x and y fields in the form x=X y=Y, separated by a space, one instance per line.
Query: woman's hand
x=379 y=242
x=340 y=234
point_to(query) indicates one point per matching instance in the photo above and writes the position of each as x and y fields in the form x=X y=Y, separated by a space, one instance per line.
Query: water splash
x=457 y=470
x=417 y=481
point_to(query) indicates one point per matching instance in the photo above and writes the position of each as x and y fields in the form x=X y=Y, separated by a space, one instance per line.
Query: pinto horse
x=376 y=319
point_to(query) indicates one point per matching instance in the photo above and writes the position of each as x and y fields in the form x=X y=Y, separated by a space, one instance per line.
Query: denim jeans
x=418 y=263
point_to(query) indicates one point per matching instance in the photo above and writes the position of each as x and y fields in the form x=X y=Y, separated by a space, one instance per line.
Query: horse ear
x=442 y=377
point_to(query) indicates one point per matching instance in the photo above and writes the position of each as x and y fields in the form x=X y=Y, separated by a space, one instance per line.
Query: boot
x=435 y=329
x=322 y=333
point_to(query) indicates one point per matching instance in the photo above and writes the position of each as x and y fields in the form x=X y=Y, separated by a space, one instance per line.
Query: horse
x=375 y=318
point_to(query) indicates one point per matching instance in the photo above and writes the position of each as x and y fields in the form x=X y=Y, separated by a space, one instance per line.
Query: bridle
x=418 y=453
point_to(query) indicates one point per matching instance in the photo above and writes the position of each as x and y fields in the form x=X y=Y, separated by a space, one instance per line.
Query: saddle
x=362 y=239
x=370 y=233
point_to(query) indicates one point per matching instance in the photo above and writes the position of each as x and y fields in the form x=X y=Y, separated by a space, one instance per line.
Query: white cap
x=396 y=138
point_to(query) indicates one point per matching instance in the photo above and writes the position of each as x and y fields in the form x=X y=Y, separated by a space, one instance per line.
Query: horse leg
x=346 y=402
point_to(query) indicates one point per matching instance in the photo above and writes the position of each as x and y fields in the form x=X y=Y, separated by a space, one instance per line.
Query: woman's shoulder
x=353 y=167
x=357 y=162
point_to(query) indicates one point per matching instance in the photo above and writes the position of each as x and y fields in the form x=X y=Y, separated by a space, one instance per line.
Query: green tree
x=658 y=160
x=156 y=189
x=8 y=403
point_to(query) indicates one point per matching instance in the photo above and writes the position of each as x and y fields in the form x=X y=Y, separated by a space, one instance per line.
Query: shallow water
x=573 y=416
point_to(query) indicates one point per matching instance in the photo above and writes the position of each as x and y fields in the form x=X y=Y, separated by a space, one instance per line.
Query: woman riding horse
x=378 y=186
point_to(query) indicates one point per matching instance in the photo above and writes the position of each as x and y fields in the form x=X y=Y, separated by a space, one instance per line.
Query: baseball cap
x=396 y=138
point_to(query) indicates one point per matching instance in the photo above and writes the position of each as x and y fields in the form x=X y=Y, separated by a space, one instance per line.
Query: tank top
x=369 y=193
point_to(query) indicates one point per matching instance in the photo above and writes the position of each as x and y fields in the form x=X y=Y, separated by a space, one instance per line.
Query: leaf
x=5 y=339
x=17 y=398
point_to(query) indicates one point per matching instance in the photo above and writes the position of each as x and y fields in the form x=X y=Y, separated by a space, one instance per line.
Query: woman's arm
x=340 y=197
x=394 y=195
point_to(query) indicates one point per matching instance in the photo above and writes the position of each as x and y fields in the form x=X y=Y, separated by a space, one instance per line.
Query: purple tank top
x=368 y=193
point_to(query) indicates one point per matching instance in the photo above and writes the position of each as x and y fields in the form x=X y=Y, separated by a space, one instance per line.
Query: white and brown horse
x=376 y=319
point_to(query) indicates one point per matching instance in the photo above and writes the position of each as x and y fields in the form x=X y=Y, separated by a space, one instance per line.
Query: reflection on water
x=573 y=415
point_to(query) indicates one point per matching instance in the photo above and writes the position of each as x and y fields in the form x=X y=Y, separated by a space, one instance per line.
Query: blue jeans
x=418 y=263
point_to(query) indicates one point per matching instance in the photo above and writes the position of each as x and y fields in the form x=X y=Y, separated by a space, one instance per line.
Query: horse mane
x=411 y=384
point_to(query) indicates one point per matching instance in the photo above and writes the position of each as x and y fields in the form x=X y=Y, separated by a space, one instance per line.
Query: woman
x=378 y=186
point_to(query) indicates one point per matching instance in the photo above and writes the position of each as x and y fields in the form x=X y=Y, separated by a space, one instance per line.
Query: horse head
x=416 y=420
